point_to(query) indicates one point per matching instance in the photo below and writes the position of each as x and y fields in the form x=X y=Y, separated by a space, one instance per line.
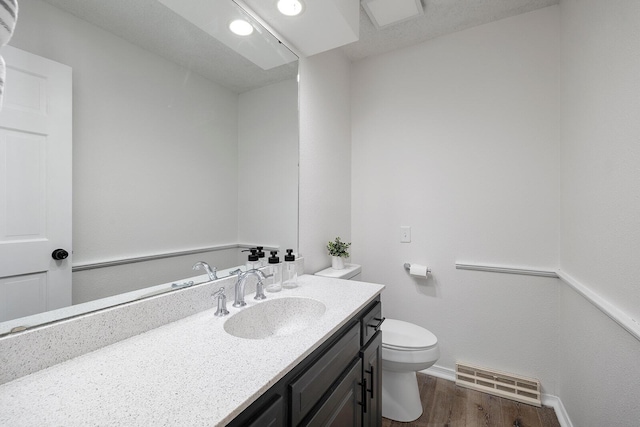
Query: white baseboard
x=558 y=407
x=547 y=399
x=440 y=372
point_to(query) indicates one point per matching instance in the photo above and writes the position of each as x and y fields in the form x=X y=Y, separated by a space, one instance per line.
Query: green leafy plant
x=338 y=248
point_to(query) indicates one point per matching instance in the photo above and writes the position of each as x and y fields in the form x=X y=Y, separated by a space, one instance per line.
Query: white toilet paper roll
x=417 y=270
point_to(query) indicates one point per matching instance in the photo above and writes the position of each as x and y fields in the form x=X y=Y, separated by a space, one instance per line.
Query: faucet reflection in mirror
x=210 y=271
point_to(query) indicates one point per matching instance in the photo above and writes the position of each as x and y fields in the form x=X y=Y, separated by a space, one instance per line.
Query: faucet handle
x=260 y=291
x=182 y=285
x=235 y=272
x=222 y=303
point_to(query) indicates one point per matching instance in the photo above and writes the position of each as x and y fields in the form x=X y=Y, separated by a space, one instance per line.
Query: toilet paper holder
x=407 y=266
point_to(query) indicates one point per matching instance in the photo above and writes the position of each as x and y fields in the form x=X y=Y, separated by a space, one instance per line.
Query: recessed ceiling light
x=241 y=27
x=290 y=7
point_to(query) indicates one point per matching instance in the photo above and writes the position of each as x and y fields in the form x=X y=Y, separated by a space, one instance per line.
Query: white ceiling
x=214 y=17
x=323 y=25
x=154 y=27
x=440 y=17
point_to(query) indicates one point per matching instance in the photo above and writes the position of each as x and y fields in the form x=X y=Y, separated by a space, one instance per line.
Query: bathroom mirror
x=184 y=150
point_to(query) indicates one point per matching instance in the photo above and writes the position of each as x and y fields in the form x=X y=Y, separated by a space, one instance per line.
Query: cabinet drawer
x=370 y=323
x=307 y=389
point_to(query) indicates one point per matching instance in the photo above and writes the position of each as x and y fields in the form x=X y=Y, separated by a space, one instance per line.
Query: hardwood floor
x=447 y=405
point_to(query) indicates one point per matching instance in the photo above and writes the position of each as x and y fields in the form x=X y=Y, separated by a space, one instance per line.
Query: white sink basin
x=274 y=318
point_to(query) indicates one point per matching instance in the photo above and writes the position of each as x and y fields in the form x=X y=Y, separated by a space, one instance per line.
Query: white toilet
x=406 y=349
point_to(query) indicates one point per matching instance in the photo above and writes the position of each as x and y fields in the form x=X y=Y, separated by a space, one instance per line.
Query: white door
x=35 y=185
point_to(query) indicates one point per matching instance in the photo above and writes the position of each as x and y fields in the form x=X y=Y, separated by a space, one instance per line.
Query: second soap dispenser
x=261 y=256
x=274 y=282
x=290 y=273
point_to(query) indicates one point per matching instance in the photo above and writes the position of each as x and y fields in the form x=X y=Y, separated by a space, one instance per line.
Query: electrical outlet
x=405 y=234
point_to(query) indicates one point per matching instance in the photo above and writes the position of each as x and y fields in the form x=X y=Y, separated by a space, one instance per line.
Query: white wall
x=155 y=146
x=325 y=156
x=600 y=221
x=601 y=148
x=598 y=367
x=458 y=138
x=268 y=166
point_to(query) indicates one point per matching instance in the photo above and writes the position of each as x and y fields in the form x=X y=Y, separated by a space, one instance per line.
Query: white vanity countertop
x=189 y=372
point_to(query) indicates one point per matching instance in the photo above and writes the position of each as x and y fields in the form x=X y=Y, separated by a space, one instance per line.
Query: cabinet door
x=310 y=387
x=273 y=416
x=270 y=414
x=372 y=374
x=344 y=405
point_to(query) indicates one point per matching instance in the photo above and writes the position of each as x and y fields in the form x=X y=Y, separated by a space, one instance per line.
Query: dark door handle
x=59 y=254
x=377 y=326
x=363 y=384
x=370 y=390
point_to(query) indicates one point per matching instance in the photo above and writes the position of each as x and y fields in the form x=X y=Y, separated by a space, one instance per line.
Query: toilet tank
x=349 y=272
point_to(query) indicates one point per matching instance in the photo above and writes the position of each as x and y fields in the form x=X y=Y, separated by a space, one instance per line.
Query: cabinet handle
x=364 y=395
x=370 y=390
x=376 y=327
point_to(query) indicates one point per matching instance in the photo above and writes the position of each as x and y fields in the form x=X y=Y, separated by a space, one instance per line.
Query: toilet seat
x=398 y=348
x=404 y=336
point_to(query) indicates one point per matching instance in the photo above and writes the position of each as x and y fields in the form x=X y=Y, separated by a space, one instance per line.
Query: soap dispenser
x=253 y=262
x=261 y=256
x=274 y=281
x=290 y=271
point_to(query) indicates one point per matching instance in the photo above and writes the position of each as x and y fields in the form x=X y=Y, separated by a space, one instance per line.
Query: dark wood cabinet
x=270 y=415
x=311 y=386
x=343 y=407
x=337 y=385
x=371 y=356
x=370 y=322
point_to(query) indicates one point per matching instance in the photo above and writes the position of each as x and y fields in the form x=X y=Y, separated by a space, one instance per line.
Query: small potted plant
x=338 y=250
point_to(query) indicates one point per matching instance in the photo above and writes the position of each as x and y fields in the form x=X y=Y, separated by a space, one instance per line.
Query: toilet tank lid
x=347 y=272
x=398 y=333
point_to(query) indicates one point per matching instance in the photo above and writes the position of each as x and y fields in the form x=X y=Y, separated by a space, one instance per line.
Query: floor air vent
x=509 y=386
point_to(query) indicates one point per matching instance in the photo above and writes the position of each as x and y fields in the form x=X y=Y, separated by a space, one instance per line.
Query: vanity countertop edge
x=187 y=372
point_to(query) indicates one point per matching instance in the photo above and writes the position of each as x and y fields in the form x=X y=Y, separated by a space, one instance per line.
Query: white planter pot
x=337 y=263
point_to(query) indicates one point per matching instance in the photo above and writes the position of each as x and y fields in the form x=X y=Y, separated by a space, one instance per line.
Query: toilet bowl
x=406 y=349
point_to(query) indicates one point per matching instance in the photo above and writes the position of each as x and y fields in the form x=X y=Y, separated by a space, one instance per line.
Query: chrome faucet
x=210 y=271
x=242 y=280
